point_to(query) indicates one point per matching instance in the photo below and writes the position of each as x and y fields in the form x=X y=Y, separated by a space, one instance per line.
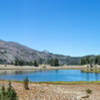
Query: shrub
x=88 y=91
x=10 y=94
x=26 y=82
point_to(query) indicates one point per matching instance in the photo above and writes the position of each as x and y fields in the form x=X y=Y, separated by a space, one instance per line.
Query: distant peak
x=45 y=51
x=1 y=40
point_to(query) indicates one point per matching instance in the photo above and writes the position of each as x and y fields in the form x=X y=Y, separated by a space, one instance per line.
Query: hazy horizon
x=68 y=27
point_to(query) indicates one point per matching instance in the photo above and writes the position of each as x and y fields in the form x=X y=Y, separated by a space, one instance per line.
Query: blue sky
x=69 y=27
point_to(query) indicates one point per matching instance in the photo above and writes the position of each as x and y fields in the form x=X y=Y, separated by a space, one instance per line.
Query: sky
x=69 y=27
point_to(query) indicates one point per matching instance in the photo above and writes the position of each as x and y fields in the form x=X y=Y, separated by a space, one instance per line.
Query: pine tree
x=40 y=61
x=97 y=60
x=56 y=62
x=35 y=63
x=82 y=61
x=26 y=82
x=3 y=93
x=10 y=94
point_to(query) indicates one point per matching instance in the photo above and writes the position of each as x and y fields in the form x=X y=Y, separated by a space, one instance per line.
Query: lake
x=53 y=75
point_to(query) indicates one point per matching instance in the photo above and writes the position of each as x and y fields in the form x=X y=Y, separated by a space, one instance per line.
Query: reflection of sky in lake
x=53 y=75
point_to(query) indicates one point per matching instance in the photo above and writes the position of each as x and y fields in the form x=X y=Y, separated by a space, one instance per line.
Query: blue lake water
x=53 y=75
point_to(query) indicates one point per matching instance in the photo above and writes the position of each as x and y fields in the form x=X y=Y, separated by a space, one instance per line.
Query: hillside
x=9 y=51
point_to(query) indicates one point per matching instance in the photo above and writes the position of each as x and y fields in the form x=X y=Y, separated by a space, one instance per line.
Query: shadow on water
x=96 y=76
x=87 y=76
x=91 y=75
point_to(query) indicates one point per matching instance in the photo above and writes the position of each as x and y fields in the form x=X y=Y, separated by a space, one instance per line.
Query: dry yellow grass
x=55 y=92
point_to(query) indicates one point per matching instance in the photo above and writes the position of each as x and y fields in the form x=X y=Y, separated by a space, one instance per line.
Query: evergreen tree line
x=90 y=60
x=52 y=62
x=9 y=94
x=20 y=62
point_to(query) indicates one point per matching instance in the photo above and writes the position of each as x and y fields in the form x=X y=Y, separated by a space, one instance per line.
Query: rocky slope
x=9 y=51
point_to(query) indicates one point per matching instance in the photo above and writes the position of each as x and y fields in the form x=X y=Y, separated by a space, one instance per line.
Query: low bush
x=88 y=91
x=9 y=94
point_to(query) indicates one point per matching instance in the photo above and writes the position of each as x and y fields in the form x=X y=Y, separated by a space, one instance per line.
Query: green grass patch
x=60 y=82
x=69 y=83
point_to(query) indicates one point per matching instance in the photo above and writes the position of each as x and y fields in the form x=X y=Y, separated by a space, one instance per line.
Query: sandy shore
x=9 y=68
x=55 y=92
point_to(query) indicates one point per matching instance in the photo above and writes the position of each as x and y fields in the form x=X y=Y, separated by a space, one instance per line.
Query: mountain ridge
x=9 y=51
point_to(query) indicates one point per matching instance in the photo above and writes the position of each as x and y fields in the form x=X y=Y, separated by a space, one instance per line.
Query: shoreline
x=44 y=67
x=57 y=82
x=22 y=69
x=91 y=70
